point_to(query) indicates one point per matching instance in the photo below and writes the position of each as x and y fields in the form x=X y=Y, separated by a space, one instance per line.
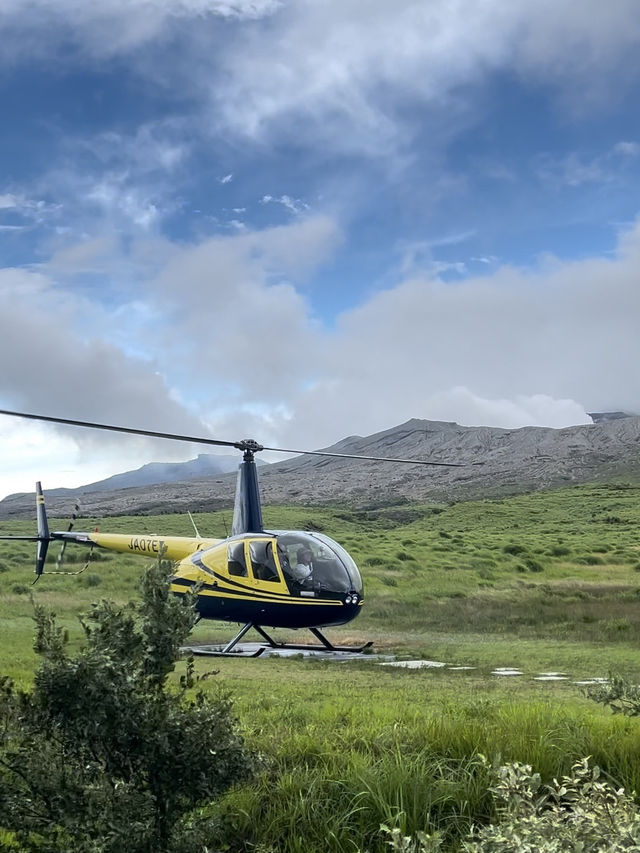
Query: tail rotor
x=74 y=516
x=44 y=537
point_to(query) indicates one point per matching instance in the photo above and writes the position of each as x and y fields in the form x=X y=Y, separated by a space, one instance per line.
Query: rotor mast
x=247 y=510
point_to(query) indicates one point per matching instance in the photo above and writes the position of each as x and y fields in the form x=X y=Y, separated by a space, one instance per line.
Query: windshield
x=312 y=562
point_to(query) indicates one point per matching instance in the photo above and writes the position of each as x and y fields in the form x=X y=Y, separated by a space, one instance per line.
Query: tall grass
x=334 y=773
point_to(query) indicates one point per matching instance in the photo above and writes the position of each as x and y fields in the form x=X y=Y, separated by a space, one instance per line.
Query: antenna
x=194 y=525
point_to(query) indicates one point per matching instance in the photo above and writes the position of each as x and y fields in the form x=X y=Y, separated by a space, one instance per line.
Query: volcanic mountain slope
x=495 y=462
x=204 y=465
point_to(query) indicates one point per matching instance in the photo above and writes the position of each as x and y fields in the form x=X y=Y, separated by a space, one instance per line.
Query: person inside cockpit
x=304 y=567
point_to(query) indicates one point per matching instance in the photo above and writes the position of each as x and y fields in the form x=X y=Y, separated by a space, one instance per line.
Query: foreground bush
x=103 y=755
x=581 y=813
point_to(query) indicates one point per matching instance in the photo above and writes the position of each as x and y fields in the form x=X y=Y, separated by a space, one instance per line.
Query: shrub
x=102 y=755
x=618 y=694
x=577 y=813
x=589 y=560
x=559 y=551
x=514 y=549
x=581 y=812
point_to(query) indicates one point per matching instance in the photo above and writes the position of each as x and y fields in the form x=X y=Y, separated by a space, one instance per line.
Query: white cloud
x=509 y=348
x=34 y=210
x=575 y=169
x=113 y=27
x=627 y=148
x=295 y=205
x=340 y=75
x=246 y=326
x=56 y=365
x=8 y=201
x=111 y=181
x=226 y=323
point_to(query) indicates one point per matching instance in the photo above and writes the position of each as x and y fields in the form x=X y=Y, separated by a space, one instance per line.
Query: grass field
x=548 y=581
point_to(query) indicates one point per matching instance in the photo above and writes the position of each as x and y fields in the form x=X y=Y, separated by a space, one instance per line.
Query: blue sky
x=304 y=220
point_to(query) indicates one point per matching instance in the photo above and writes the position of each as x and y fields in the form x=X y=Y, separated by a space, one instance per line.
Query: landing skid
x=207 y=651
x=324 y=646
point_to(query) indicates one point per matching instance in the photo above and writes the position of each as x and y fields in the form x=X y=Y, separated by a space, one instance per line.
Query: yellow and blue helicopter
x=259 y=578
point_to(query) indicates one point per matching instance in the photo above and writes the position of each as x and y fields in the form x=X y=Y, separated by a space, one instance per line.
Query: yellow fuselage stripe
x=171 y=547
x=225 y=593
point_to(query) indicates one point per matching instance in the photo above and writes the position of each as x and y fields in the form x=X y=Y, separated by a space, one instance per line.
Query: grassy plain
x=547 y=581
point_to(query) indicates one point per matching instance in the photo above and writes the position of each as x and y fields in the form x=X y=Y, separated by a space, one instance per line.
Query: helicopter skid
x=209 y=651
x=230 y=649
x=315 y=647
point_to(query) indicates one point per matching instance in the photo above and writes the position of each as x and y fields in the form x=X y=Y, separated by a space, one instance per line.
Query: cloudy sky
x=299 y=220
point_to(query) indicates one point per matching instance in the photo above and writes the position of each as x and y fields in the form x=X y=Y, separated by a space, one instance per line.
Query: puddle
x=550 y=676
x=248 y=650
x=251 y=649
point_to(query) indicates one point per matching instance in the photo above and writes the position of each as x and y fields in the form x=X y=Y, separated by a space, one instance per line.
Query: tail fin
x=247 y=512
x=43 y=531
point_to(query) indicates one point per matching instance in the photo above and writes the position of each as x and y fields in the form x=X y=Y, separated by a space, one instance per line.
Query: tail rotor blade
x=74 y=516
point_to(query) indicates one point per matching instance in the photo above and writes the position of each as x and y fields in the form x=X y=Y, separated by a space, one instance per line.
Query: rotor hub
x=249 y=446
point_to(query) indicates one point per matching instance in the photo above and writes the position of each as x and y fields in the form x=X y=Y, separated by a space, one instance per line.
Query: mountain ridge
x=496 y=462
x=152 y=474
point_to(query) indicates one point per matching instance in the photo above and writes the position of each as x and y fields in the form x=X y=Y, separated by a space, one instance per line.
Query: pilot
x=303 y=568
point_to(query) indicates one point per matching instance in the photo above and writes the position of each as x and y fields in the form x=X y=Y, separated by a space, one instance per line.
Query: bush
x=617 y=694
x=514 y=549
x=404 y=556
x=579 y=813
x=589 y=560
x=102 y=755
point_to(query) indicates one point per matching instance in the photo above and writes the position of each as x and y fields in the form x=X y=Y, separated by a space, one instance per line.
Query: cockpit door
x=264 y=565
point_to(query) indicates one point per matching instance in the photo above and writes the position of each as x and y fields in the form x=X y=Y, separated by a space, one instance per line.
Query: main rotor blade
x=130 y=430
x=372 y=458
x=239 y=445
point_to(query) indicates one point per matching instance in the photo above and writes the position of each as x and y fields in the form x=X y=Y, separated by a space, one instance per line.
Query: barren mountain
x=495 y=462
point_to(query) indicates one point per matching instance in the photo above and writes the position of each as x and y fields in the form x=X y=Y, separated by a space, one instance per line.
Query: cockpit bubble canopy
x=332 y=569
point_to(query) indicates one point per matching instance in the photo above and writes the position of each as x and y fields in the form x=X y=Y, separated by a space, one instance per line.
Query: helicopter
x=256 y=577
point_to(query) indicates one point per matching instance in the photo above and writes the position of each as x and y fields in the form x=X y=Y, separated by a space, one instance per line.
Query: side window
x=262 y=562
x=235 y=560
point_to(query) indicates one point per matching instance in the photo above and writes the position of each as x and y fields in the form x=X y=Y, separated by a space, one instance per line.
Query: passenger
x=304 y=567
x=284 y=562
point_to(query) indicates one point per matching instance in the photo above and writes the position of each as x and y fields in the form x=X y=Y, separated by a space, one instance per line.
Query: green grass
x=544 y=581
x=556 y=571
x=348 y=747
